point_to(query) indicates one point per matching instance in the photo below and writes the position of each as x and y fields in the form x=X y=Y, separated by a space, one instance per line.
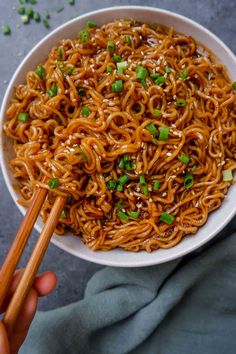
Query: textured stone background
x=73 y=274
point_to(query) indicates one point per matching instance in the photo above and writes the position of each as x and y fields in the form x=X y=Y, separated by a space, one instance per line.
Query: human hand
x=42 y=286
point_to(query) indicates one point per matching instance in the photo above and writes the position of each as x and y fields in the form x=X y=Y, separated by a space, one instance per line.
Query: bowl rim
x=56 y=240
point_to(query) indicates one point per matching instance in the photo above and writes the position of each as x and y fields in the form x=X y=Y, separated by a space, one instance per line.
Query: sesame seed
x=168 y=154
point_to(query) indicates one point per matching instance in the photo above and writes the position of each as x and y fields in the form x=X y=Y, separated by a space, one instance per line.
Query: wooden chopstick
x=14 y=255
x=27 y=278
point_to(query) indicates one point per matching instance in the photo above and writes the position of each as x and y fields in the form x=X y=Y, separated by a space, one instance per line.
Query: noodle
x=140 y=156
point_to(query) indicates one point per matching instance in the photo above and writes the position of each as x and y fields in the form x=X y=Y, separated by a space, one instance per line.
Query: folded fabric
x=181 y=307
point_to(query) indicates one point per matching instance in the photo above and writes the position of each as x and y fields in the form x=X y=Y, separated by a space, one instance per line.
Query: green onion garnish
x=110 y=46
x=167 y=69
x=21 y=10
x=182 y=75
x=117 y=58
x=81 y=152
x=133 y=214
x=53 y=183
x=128 y=39
x=81 y=91
x=53 y=90
x=59 y=120
x=188 y=180
x=227 y=175
x=32 y=2
x=120 y=205
x=143 y=82
x=141 y=73
x=164 y=133
x=63 y=214
x=85 y=111
x=24 y=19
x=109 y=69
x=156 y=185
x=122 y=163
x=142 y=180
x=122 y=215
x=167 y=218
x=40 y=71
x=122 y=66
x=29 y=12
x=84 y=36
x=145 y=190
x=152 y=129
x=36 y=17
x=60 y=52
x=70 y=71
x=91 y=24
x=46 y=23
x=23 y=117
x=129 y=165
x=117 y=86
x=119 y=188
x=60 y=9
x=181 y=103
x=126 y=158
x=157 y=112
x=184 y=159
x=71 y=2
x=6 y=30
x=123 y=179
x=154 y=76
x=234 y=85
x=111 y=184
x=160 y=80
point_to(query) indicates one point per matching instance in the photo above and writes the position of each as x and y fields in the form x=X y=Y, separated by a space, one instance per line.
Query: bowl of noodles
x=135 y=122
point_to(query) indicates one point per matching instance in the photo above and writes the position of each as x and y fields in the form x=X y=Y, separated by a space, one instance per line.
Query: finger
x=45 y=283
x=4 y=343
x=24 y=320
x=13 y=286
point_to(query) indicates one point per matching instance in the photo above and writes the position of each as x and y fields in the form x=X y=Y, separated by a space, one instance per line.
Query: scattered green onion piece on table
x=81 y=91
x=183 y=74
x=23 y=117
x=188 y=180
x=142 y=180
x=60 y=52
x=133 y=214
x=167 y=69
x=91 y=24
x=167 y=218
x=117 y=86
x=141 y=73
x=122 y=66
x=121 y=163
x=21 y=10
x=46 y=23
x=184 y=158
x=71 y=2
x=110 y=46
x=181 y=102
x=40 y=71
x=24 y=19
x=109 y=69
x=63 y=214
x=47 y=15
x=85 y=111
x=123 y=179
x=160 y=80
x=117 y=58
x=53 y=90
x=157 y=112
x=60 y=9
x=32 y=2
x=164 y=133
x=156 y=185
x=36 y=17
x=53 y=183
x=227 y=175
x=22 y=2
x=128 y=39
x=29 y=12
x=145 y=190
x=84 y=36
x=119 y=188
x=6 y=30
x=234 y=85
x=122 y=215
x=111 y=184
x=152 y=129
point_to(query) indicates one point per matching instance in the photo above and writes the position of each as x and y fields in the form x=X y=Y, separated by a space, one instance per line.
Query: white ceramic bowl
x=217 y=220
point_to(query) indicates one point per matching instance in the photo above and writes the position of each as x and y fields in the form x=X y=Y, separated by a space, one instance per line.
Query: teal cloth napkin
x=181 y=307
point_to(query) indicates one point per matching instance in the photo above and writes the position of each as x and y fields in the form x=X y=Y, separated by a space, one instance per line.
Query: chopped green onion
x=21 y=2
x=23 y=117
x=123 y=179
x=109 y=69
x=120 y=205
x=152 y=129
x=40 y=71
x=143 y=82
x=29 y=12
x=181 y=103
x=164 y=133
x=46 y=23
x=117 y=86
x=156 y=185
x=59 y=120
x=182 y=75
x=6 y=30
x=70 y=71
x=91 y=24
x=141 y=73
x=85 y=111
x=167 y=218
x=53 y=183
x=84 y=36
x=234 y=85
x=184 y=159
x=119 y=188
x=188 y=180
x=81 y=91
x=63 y=214
x=157 y=112
x=193 y=168
x=145 y=190
x=21 y=10
x=47 y=15
x=128 y=39
x=71 y=2
x=122 y=163
x=81 y=152
x=122 y=66
x=60 y=52
x=110 y=46
x=60 y=9
x=32 y=2
x=129 y=165
x=117 y=58
x=122 y=215
x=227 y=175
x=36 y=17
x=111 y=184
x=167 y=69
x=25 y=19
x=154 y=76
x=133 y=214
x=160 y=80
x=126 y=158
x=142 y=180
x=53 y=90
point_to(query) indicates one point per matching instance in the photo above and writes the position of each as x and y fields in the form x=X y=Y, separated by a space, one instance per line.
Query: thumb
x=4 y=343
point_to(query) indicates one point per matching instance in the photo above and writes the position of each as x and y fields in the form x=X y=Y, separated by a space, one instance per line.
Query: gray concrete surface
x=73 y=273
